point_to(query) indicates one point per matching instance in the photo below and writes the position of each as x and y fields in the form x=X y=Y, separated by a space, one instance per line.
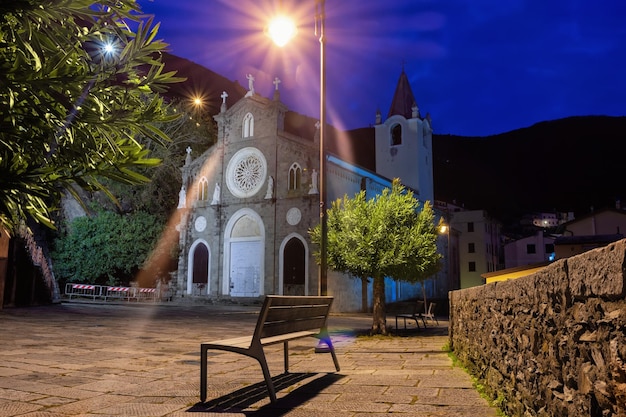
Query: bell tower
x=404 y=143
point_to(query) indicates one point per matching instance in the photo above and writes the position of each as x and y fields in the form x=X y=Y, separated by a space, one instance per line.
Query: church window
x=295 y=176
x=248 y=125
x=203 y=189
x=396 y=135
x=246 y=172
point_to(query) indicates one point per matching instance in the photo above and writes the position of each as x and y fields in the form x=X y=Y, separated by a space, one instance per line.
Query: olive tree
x=80 y=81
x=389 y=236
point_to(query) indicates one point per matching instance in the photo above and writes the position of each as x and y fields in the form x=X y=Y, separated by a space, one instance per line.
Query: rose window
x=246 y=172
x=249 y=173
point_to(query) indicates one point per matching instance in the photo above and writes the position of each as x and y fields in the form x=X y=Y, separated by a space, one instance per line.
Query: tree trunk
x=379 y=324
x=364 y=308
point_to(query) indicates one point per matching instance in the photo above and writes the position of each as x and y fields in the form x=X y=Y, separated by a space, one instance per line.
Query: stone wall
x=552 y=343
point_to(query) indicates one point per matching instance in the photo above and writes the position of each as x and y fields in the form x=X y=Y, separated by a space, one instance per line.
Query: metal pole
x=320 y=17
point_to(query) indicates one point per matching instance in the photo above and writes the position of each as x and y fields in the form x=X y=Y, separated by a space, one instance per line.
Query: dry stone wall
x=552 y=343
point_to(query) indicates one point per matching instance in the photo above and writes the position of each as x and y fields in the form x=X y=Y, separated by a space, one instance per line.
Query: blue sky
x=479 y=67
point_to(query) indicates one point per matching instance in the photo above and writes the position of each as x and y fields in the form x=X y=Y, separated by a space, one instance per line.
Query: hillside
x=570 y=164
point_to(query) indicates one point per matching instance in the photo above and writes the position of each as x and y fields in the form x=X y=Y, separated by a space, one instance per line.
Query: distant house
x=529 y=250
x=566 y=246
x=597 y=229
x=479 y=245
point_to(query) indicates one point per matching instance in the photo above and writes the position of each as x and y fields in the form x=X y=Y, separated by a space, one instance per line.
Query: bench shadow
x=239 y=401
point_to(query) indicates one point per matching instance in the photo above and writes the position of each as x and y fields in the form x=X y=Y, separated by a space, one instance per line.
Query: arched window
x=396 y=135
x=203 y=189
x=295 y=176
x=248 y=125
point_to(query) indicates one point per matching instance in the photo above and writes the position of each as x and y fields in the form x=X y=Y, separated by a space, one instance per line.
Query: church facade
x=248 y=202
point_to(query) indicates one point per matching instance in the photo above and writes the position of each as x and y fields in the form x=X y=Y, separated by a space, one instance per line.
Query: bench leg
x=324 y=337
x=332 y=352
x=203 y=372
x=286 y=349
x=268 y=377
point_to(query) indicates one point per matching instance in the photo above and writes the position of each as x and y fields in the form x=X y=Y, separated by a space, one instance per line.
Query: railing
x=106 y=293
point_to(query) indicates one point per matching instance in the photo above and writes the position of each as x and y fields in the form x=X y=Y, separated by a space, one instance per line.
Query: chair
x=430 y=313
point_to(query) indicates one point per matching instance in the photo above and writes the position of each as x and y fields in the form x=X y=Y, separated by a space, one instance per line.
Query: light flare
x=282 y=30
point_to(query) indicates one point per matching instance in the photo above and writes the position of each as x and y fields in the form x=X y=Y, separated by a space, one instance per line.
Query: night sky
x=479 y=67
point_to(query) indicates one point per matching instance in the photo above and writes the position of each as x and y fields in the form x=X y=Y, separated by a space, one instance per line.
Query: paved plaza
x=80 y=359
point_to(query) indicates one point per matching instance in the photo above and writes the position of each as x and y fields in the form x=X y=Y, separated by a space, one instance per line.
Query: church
x=247 y=203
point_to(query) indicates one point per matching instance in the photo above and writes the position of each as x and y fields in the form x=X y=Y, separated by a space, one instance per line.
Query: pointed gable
x=403 y=99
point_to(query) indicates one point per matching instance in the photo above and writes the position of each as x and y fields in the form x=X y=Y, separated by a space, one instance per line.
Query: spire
x=403 y=99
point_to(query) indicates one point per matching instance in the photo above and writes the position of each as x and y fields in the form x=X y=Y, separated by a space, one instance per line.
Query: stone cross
x=276 y=82
x=223 y=96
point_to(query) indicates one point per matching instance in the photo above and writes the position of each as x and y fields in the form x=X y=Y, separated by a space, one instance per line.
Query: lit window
x=203 y=189
x=295 y=176
x=248 y=125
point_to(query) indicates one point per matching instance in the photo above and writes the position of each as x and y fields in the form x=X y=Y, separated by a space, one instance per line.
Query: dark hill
x=570 y=164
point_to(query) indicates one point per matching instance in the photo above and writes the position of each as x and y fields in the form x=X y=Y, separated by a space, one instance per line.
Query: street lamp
x=282 y=30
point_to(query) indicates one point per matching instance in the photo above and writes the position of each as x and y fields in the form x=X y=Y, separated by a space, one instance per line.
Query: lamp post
x=320 y=21
x=281 y=30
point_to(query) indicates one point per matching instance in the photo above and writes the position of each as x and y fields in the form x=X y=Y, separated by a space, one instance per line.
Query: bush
x=105 y=249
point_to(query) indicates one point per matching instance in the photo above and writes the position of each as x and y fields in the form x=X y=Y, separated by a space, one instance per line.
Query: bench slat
x=242 y=342
x=281 y=327
x=296 y=312
x=266 y=341
x=284 y=300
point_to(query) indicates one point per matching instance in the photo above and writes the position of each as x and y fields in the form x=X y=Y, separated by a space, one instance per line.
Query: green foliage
x=70 y=110
x=160 y=195
x=385 y=236
x=106 y=249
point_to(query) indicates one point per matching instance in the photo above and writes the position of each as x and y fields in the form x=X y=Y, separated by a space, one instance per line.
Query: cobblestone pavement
x=78 y=359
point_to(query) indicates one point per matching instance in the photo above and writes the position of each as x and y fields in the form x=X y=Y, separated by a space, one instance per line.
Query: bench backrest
x=419 y=307
x=288 y=314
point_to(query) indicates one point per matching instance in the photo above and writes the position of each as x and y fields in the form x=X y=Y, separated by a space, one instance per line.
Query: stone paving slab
x=87 y=359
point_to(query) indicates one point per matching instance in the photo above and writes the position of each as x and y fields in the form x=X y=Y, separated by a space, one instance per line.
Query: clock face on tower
x=246 y=172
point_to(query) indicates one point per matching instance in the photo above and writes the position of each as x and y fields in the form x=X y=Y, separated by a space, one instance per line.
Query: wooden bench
x=282 y=318
x=417 y=313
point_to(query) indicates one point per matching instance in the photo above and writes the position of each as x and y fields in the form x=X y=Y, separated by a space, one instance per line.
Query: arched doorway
x=244 y=253
x=198 y=273
x=293 y=266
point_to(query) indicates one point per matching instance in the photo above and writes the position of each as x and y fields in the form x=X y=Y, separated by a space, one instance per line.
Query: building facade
x=480 y=247
x=247 y=203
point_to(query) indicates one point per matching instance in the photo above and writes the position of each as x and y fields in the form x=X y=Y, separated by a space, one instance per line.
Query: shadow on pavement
x=240 y=400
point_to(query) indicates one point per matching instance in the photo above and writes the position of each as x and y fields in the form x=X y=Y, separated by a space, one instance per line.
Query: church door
x=245 y=270
x=200 y=275
x=294 y=268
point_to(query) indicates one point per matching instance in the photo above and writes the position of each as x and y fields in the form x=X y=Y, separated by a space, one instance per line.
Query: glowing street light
x=281 y=30
x=108 y=48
